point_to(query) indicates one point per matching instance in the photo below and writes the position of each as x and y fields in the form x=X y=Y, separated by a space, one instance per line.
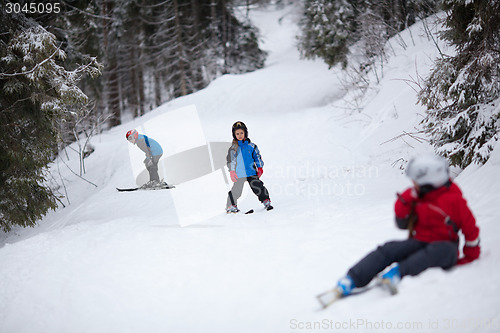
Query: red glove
x=260 y=171
x=234 y=177
x=471 y=253
x=405 y=203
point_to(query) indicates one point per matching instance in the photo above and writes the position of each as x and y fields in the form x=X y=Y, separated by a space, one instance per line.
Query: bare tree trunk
x=157 y=88
x=114 y=95
x=133 y=90
x=196 y=53
x=140 y=89
x=180 y=50
x=225 y=35
x=111 y=80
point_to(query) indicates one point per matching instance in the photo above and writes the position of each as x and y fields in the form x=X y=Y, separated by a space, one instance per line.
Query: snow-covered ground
x=121 y=262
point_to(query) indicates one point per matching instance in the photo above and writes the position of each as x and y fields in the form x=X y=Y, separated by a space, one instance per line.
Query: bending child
x=153 y=152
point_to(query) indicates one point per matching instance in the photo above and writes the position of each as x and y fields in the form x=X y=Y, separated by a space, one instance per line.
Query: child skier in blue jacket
x=245 y=164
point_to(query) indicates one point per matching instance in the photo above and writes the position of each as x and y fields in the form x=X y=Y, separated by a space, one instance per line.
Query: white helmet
x=428 y=170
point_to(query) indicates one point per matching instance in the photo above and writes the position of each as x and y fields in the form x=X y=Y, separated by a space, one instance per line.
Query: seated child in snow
x=245 y=164
x=153 y=152
x=434 y=210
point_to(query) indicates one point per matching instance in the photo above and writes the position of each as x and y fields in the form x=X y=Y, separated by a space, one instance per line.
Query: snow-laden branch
x=2 y=75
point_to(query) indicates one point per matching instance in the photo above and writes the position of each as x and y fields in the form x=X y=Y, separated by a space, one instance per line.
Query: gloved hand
x=405 y=206
x=260 y=171
x=471 y=253
x=234 y=177
x=408 y=196
x=148 y=162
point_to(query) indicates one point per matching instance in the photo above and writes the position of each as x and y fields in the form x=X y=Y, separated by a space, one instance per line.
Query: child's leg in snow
x=436 y=254
x=153 y=169
x=375 y=262
x=235 y=193
x=258 y=188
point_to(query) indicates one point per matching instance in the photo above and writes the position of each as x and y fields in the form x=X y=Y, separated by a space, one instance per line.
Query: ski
x=329 y=297
x=236 y=212
x=127 y=189
x=167 y=187
x=250 y=211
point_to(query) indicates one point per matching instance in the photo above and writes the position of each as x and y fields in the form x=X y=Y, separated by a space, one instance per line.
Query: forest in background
x=462 y=93
x=68 y=75
x=154 y=51
x=72 y=70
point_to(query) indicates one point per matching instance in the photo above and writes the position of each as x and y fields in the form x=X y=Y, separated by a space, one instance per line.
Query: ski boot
x=391 y=279
x=267 y=204
x=150 y=185
x=344 y=288
x=164 y=185
x=232 y=209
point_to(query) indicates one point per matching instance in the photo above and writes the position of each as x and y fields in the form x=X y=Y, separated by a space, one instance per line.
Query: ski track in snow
x=120 y=262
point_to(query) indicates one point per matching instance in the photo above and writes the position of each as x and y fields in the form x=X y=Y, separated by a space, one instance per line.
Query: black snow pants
x=256 y=185
x=412 y=255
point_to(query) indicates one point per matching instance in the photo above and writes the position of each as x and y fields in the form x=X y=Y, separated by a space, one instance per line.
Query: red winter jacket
x=440 y=214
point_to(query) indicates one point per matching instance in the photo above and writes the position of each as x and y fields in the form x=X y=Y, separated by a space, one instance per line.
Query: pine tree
x=37 y=92
x=328 y=30
x=242 y=52
x=462 y=93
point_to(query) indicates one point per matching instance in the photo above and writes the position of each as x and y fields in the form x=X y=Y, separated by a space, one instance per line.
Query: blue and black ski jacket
x=244 y=158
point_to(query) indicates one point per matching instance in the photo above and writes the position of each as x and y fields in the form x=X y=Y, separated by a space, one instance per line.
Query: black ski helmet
x=238 y=125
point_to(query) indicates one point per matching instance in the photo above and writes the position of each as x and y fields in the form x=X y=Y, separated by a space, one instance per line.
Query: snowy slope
x=121 y=262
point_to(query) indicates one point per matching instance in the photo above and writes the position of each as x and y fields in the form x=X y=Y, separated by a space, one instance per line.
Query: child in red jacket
x=434 y=210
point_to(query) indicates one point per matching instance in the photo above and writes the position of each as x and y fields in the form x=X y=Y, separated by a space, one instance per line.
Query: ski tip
x=127 y=189
x=329 y=297
x=322 y=305
x=250 y=211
